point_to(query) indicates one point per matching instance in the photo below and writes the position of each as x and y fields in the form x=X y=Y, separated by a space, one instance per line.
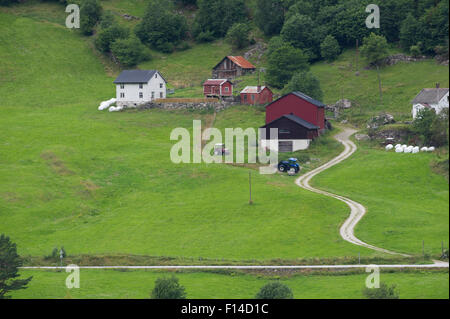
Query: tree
x=384 y=292
x=275 y=290
x=90 y=13
x=238 y=35
x=375 y=48
x=160 y=27
x=7 y=2
x=431 y=127
x=214 y=18
x=10 y=262
x=107 y=36
x=305 y=82
x=168 y=288
x=283 y=63
x=269 y=16
x=329 y=48
x=410 y=32
x=129 y=51
x=301 y=32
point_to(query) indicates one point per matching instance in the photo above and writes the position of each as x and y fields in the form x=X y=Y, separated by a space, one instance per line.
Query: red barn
x=217 y=88
x=253 y=95
x=298 y=104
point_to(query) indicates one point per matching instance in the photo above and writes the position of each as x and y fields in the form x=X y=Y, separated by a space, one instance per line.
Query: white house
x=436 y=99
x=134 y=87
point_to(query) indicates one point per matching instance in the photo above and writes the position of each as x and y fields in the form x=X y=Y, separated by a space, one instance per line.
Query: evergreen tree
x=10 y=262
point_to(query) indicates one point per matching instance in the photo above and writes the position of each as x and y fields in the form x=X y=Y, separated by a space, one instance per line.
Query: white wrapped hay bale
x=431 y=149
x=106 y=104
x=398 y=145
x=389 y=147
x=424 y=149
x=399 y=150
x=408 y=149
x=415 y=150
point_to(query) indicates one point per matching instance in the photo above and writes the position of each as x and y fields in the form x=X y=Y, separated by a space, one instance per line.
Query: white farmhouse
x=436 y=99
x=134 y=87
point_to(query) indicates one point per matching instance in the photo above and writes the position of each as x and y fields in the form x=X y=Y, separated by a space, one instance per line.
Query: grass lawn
x=407 y=203
x=401 y=83
x=208 y=285
x=102 y=183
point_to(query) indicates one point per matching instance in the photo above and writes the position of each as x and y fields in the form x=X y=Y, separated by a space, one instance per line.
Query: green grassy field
x=207 y=285
x=102 y=183
x=407 y=203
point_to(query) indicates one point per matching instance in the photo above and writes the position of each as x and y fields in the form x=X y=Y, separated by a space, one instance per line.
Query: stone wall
x=216 y=106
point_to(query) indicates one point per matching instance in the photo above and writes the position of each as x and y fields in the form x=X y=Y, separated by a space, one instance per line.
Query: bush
x=415 y=50
x=206 y=36
x=275 y=290
x=129 y=52
x=305 y=82
x=168 y=288
x=384 y=292
x=90 y=13
x=238 y=35
x=329 y=48
x=107 y=36
x=432 y=128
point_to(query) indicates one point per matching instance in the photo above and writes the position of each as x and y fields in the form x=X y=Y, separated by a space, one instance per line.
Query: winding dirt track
x=357 y=210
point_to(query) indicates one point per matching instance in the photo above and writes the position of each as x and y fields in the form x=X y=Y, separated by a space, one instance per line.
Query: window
x=161 y=85
x=283 y=131
x=141 y=86
x=253 y=97
x=122 y=95
x=156 y=75
x=226 y=89
x=153 y=95
x=161 y=95
x=245 y=97
x=141 y=95
x=122 y=86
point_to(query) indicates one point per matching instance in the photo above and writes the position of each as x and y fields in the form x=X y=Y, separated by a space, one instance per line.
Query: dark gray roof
x=297 y=120
x=430 y=96
x=135 y=76
x=309 y=99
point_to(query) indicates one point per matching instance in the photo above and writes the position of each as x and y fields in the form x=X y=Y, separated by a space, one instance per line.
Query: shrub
x=432 y=128
x=415 y=50
x=375 y=48
x=275 y=290
x=129 y=52
x=206 y=36
x=168 y=288
x=329 y=48
x=90 y=13
x=107 y=36
x=384 y=292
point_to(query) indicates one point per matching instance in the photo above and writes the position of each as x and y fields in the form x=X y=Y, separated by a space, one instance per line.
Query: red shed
x=253 y=95
x=217 y=88
x=298 y=104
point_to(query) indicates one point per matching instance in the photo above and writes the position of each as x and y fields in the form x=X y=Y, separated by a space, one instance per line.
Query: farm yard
x=102 y=184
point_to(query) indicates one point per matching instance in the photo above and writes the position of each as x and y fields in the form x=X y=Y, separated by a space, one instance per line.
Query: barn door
x=285 y=146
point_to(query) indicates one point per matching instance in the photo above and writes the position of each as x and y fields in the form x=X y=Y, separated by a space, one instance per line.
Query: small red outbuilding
x=253 y=95
x=298 y=104
x=217 y=88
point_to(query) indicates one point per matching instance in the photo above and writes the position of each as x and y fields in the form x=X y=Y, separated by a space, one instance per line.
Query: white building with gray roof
x=436 y=99
x=134 y=87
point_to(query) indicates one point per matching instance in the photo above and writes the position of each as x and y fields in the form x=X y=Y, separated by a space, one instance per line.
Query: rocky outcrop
x=396 y=58
x=380 y=120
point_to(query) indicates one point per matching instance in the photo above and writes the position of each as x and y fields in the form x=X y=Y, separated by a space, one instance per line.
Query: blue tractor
x=291 y=165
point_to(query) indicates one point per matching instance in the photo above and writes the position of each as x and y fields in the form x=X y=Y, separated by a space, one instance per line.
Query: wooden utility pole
x=250 y=187
x=379 y=84
x=357 y=54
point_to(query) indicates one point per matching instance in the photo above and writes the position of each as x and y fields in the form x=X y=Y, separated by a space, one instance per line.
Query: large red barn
x=298 y=104
x=253 y=95
x=217 y=88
